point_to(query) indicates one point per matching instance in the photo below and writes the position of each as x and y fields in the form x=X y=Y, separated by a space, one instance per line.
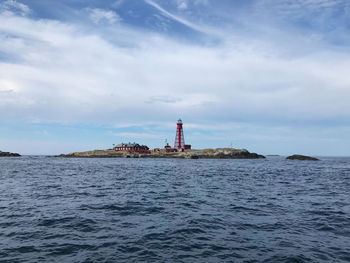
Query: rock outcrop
x=95 y=154
x=301 y=158
x=225 y=153
x=8 y=154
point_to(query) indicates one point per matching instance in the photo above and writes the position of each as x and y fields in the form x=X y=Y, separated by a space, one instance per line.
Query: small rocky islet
x=218 y=153
x=8 y=154
x=301 y=158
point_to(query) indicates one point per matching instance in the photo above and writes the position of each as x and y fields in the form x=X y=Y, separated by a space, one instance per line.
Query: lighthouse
x=179 y=138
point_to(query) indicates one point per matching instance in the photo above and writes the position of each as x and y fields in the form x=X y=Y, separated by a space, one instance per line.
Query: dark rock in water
x=301 y=158
x=8 y=154
x=192 y=156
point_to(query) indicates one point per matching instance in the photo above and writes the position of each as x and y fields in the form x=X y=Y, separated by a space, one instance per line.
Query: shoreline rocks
x=301 y=158
x=8 y=154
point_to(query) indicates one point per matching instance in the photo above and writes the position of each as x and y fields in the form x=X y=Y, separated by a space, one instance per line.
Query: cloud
x=163 y=99
x=185 y=4
x=199 y=28
x=67 y=75
x=98 y=15
x=182 y=4
x=15 y=6
x=117 y=3
x=138 y=135
x=297 y=9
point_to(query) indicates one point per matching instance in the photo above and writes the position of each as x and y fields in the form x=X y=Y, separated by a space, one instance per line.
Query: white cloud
x=184 y=4
x=63 y=74
x=163 y=99
x=181 y=4
x=117 y=3
x=15 y=6
x=98 y=15
x=194 y=26
x=130 y=136
x=300 y=8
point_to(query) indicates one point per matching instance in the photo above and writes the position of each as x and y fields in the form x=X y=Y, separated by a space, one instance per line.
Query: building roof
x=127 y=144
x=131 y=145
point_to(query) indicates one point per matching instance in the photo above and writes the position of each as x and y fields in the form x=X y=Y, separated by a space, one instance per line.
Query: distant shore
x=8 y=154
x=218 y=153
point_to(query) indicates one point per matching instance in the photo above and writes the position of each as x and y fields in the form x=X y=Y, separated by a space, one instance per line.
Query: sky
x=269 y=76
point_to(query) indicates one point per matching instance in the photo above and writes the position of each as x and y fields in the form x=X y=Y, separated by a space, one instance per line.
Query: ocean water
x=168 y=210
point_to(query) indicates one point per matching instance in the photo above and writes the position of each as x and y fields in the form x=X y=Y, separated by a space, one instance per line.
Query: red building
x=168 y=148
x=132 y=147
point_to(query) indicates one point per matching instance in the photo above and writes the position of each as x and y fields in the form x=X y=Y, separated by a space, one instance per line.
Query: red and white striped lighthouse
x=179 y=139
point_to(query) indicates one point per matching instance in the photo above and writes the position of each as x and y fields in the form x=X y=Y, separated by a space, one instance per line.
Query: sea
x=174 y=210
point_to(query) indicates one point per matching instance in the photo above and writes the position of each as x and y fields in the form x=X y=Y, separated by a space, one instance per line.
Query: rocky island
x=218 y=153
x=301 y=158
x=8 y=154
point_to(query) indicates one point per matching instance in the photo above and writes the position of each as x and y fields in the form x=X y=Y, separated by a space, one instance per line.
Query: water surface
x=168 y=210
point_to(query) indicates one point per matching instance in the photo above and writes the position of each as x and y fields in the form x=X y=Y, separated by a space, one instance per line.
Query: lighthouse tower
x=179 y=139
